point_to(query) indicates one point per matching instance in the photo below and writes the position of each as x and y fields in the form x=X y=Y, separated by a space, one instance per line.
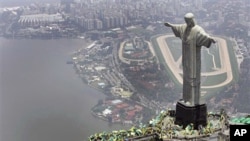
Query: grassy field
x=234 y=66
x=174 y=45
x=162 y=61
x=210 y=57
x=214 y=80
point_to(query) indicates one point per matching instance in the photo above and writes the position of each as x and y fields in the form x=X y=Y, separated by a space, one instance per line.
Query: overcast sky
x=23 y=2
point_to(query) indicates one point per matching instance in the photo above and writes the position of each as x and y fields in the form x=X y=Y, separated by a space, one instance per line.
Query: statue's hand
x=213 y=40
x=167 y=24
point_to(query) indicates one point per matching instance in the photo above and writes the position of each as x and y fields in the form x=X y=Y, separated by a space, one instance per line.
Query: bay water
x=41 y=96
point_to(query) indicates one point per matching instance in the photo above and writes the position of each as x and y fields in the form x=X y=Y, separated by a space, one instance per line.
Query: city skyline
x=110 y=46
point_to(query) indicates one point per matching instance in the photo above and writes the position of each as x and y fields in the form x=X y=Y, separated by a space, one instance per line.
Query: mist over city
x=94 y=69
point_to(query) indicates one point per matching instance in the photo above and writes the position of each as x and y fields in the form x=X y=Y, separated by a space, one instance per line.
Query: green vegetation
x=168 y=72
x=215 y=51
x=241 y=120
x=154 y=130
x=233 y=60
x=234 y=66
x=174 y=45
x=215 y=79
x=211 y=59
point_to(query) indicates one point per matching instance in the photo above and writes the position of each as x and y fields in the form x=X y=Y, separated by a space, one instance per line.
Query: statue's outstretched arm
x=168 y=24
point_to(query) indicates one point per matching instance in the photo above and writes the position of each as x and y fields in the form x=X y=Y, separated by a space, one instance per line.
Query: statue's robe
x=192 y=41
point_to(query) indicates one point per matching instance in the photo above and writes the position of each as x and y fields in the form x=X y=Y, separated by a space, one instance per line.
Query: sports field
x=218 y=61
x=210 y=57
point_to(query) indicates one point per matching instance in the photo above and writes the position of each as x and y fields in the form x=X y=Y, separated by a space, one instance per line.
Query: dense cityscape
x=121 y=59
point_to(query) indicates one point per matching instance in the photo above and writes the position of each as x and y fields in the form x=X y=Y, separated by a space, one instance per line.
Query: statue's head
x=189 y=19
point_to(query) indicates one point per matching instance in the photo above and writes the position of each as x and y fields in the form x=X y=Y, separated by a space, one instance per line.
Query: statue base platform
x=186 y=114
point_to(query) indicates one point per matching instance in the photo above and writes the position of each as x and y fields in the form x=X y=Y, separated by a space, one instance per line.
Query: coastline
x=104 y=91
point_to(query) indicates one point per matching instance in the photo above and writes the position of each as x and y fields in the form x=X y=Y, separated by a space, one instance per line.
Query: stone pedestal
x=186 y=114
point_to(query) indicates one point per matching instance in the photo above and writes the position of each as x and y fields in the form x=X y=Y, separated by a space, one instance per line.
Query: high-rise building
x=66 y=5
x=89 y=24
x=112 y=21
x=98 y=24
x=107 y=22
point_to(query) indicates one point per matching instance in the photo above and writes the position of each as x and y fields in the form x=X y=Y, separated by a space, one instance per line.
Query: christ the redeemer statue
x=193 y=38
